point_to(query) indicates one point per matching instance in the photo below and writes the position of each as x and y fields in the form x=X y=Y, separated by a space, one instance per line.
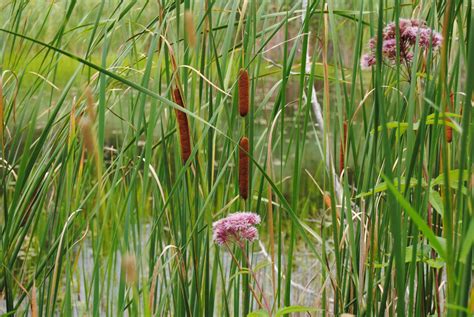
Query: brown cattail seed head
x=327 y=200
x=244 y=167
x=189 y=26
x=129 y=267
x=343 y=147
x=449 y=131
x=243 y=92
x=183 y=126
x=88 y=135
x=34 y=302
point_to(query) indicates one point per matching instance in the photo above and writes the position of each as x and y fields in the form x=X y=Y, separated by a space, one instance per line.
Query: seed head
x=189 y=25
x=243 y=92
x=88 y=135
x=183 y=126
x=129 y=266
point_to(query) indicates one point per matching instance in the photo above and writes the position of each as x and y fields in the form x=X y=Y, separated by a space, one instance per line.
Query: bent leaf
x=453 y=178
x=416 y=218
x=294 y=309
x=382 y=187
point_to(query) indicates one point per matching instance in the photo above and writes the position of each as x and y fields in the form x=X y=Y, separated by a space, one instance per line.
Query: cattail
x=184 y=138
x=342 y=148
x=189 y=26
x=34 y=302
x=129 y=266
x=243 y=92
x=327 y=200
x=88 y=135
x=244 y=167
x=449 y=130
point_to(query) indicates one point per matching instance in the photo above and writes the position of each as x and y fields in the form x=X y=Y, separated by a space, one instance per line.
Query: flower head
x=367 y=61
x=389 y=48
x=410 y=31
x=237 y=227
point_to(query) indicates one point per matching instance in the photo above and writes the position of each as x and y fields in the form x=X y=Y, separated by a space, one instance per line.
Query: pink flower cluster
x=409 y=31
x=237 y=227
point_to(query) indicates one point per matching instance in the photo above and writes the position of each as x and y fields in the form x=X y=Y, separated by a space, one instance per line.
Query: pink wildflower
x=237 y=227
x=410 y=34
x=372 y=44
x=389 y=48
x=404 y=23
x=437 y=40
x=367 y=61
x=410 y=31
x=430 y=38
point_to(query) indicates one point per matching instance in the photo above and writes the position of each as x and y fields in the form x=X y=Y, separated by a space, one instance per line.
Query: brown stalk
x=244 y=167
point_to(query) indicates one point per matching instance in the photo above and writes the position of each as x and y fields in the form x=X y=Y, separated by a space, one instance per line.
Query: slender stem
x=242 y=247
x=250 y=286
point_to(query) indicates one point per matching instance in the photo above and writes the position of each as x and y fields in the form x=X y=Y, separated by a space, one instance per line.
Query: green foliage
x=99 y=215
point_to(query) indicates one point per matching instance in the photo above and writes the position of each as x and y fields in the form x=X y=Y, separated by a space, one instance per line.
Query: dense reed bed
x=236 y=158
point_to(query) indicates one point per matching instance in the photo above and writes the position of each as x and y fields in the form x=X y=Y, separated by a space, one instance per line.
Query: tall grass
x=120 y=124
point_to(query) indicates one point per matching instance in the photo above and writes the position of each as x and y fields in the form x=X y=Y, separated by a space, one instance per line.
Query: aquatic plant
x=236 y=228
x=411 y=32
x=99 y=215
x=243 y=83
x=244 y=167
x=183 y=127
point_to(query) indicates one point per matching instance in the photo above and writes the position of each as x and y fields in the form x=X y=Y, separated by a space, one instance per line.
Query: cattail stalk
x=183 y=126
x=343 y=147
x=243 y=92
x=244 y=167
x=91 y=146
